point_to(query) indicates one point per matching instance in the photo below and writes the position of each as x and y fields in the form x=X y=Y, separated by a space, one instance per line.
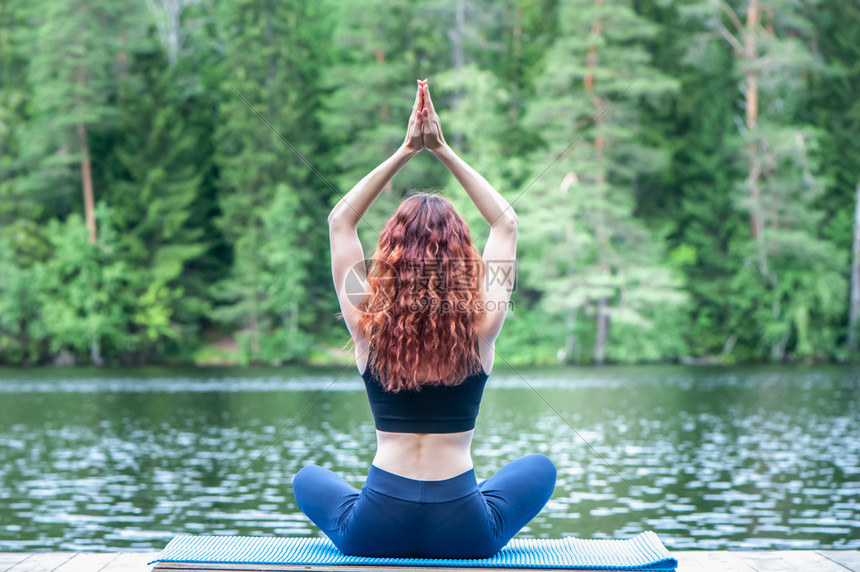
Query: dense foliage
x=684 y=172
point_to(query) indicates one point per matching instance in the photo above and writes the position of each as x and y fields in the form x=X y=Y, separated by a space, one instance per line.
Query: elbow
x=339 y=219
x=335 y=216
x=508 y=221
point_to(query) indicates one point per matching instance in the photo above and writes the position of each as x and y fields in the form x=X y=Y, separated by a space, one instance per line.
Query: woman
x=425 y=334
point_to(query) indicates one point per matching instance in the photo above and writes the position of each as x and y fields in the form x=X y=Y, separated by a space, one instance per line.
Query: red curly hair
x=424 y=308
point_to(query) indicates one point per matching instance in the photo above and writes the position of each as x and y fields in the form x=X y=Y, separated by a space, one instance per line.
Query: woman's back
x=425 y=435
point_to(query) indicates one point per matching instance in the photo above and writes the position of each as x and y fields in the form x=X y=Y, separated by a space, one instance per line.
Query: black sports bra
x=433 y=409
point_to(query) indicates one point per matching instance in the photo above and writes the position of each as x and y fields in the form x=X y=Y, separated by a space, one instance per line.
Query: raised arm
x=492 y=206
x=348 y=211
x=500 y=252
x=346 y=251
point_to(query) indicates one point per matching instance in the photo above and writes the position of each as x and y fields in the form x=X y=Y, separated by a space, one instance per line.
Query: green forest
x=686 y=173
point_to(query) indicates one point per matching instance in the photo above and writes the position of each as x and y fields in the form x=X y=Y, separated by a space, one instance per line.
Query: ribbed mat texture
x=642 y=552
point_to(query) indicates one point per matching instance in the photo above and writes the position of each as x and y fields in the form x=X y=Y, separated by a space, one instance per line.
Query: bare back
x=425 y=456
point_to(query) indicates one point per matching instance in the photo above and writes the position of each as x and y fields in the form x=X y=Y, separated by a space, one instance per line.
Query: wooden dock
x=688 y=561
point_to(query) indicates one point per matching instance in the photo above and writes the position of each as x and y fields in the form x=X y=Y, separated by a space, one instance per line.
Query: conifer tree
x=161 y=159
x=692 y=197
x=268 y=118
x=587 y=253
x=368 y=94
x=835 y=108
x=75 y=50
x=778 y=294
x=13 y=99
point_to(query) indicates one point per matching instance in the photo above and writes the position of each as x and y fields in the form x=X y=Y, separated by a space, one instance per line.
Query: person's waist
x=424 y=439
x=428 y=491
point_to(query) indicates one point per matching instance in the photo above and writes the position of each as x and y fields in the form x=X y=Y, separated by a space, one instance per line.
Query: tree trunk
x=571 y=348
x=174 y=12
x=458 y=56
x=753 y=22
x=855 y=276
x=24 y=340
x=591 y=58
x=294 y=327
x=571 y=344
x=254 y=324
x=600 y=155
x=270 y=60
x=602 y=332
x=96 y=352
x=751 y=104
x=86 y=173
x=513 y=114
x=380 y=59
x=168 y=18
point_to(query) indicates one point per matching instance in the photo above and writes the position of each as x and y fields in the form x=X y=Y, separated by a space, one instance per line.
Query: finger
x=419 y=97
x=428 y=103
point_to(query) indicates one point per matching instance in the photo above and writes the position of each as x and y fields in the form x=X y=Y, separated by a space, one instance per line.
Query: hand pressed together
x=424 y=130
x=432 y=127
x=414 y=138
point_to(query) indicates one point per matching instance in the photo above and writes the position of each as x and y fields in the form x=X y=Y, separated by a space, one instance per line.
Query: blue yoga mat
x=642 y=552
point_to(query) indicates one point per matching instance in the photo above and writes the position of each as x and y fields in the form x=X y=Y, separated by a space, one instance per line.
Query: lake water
x=711 y=458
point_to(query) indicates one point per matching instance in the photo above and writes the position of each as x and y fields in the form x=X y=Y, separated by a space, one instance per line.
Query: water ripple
x=765 y=458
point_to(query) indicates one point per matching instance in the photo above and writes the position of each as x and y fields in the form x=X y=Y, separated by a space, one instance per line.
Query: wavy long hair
x=424 y=308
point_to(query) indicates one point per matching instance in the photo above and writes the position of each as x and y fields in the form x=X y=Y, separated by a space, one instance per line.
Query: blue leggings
x=393 y=516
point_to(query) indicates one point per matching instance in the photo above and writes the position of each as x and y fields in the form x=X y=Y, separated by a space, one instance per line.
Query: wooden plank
x=88 y=562
x=788 y=560
x=691 y=561
x=850 y=559
x=131 y=562
x=710 y=561
x=688 y=561
x=9 y=559
x=42 y=562
x=766 y=561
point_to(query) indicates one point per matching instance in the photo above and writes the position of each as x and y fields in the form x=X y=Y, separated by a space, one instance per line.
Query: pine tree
x=160 y=160
x=75 y=49
x=13 y=99
x=835 y=108
x=268 y=117
x=587 y=253
x=776 y=291
x=692 y=197
x=368 y=95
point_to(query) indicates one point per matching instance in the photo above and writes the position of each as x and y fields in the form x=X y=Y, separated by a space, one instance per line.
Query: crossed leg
x=512 y=497
x=517 y=492
x=325 y=497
